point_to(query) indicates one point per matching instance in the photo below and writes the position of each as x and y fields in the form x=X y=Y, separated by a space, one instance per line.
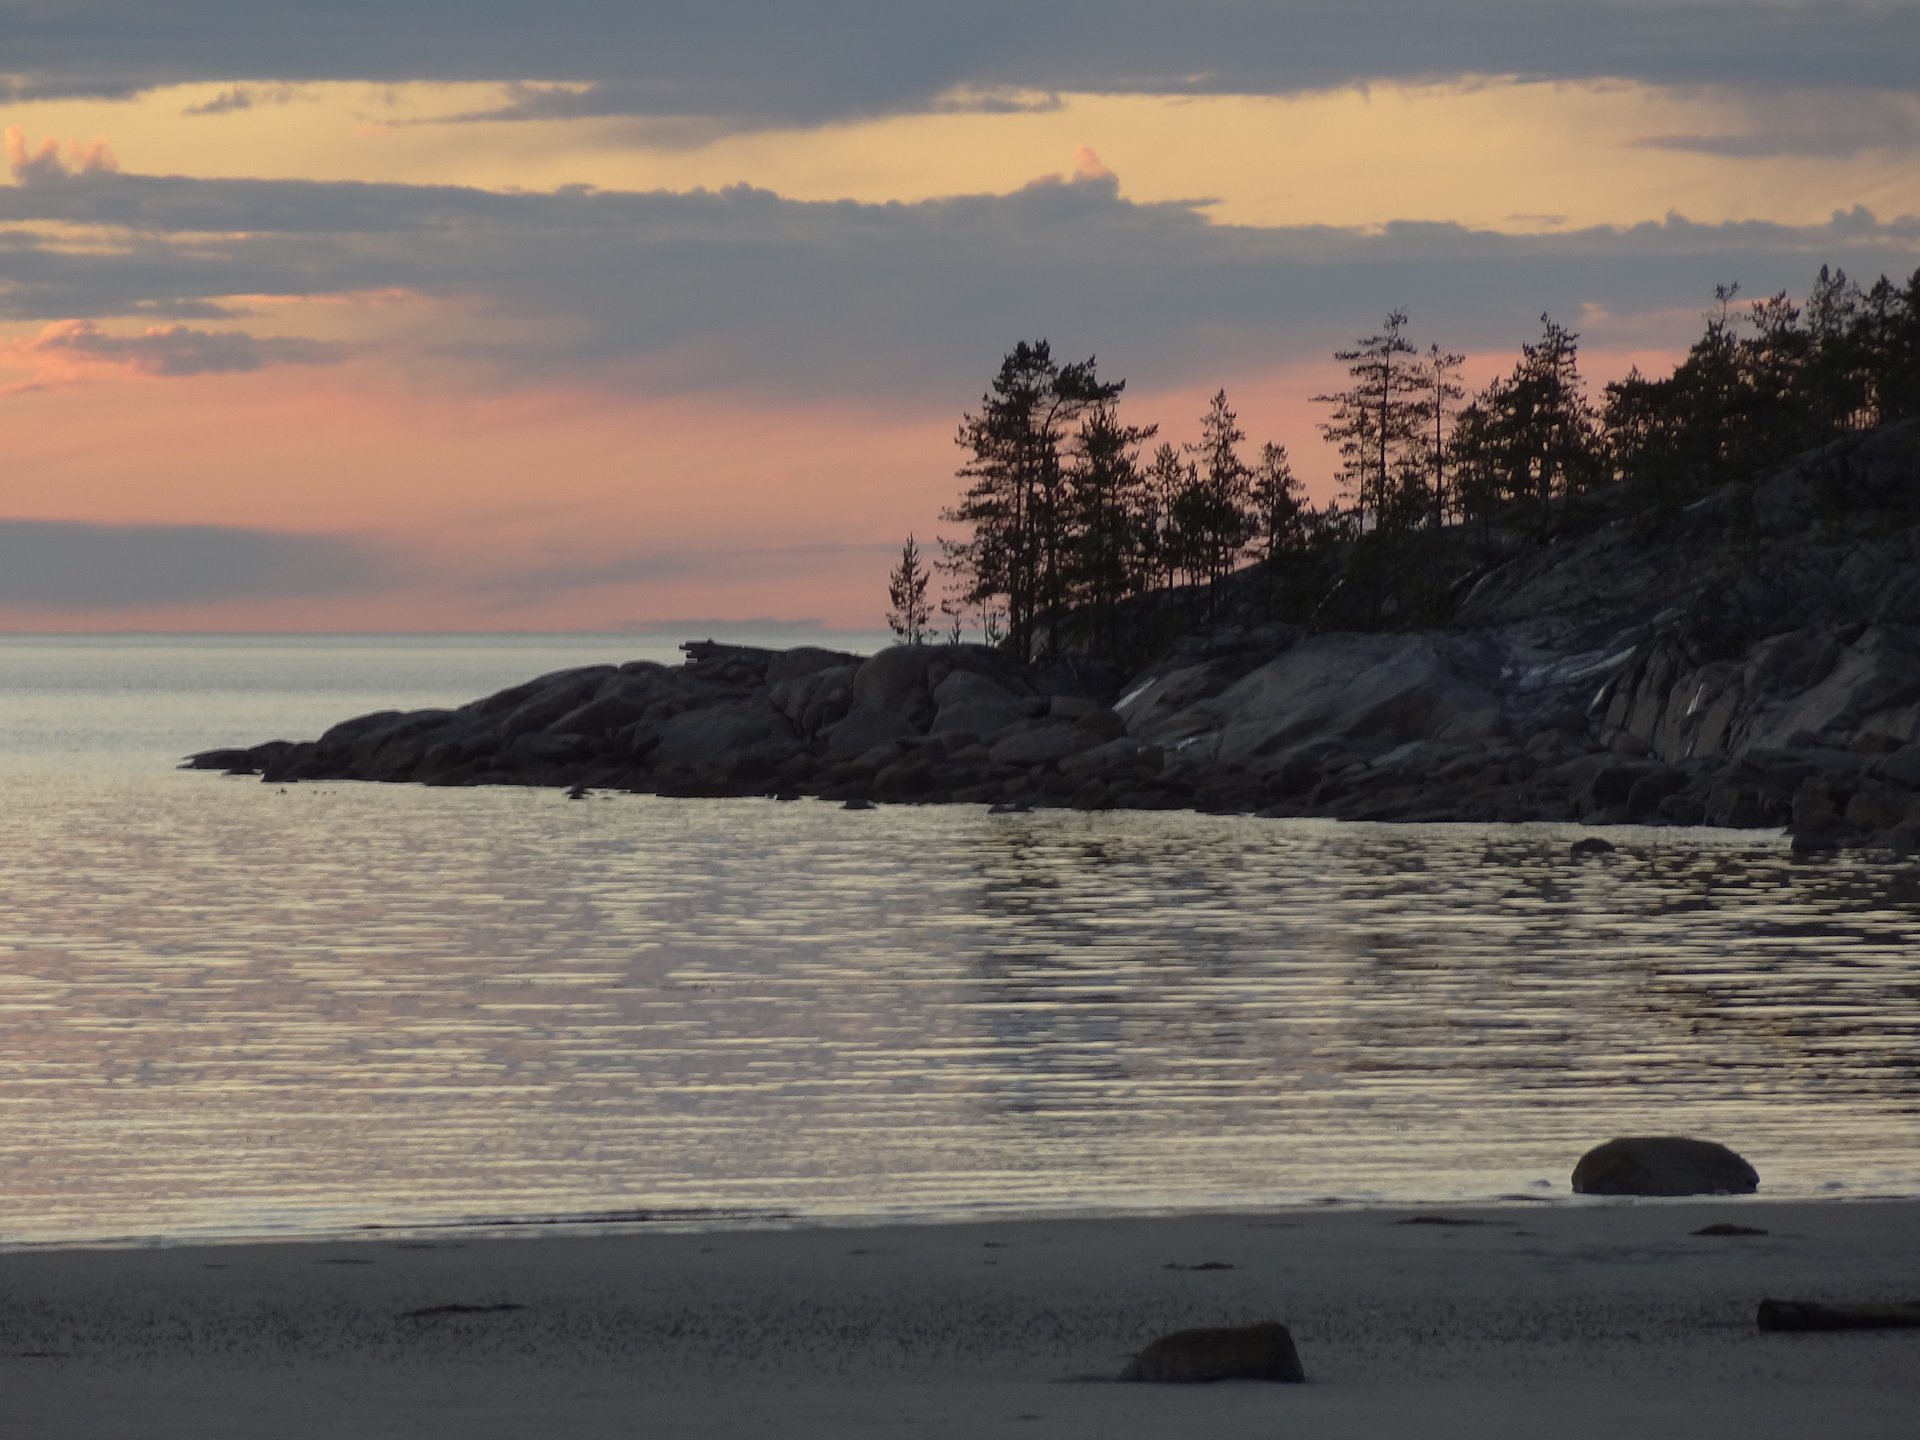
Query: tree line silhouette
x=1075 y=536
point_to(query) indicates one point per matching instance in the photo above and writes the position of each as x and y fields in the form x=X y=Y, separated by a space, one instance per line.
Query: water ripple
x=226 y=1008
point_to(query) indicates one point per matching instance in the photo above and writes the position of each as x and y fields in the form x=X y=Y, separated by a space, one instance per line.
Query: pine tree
x=1279 y=503
x=1642 y=443
x=1169 y=482
x=1109 y=512
x=1477 y=462
x=1376 y=418
x=1544 y=429
x=1218 y=515
x=1014 y=507
x=1899 y=397
x=1439 y=381
x=907 y=594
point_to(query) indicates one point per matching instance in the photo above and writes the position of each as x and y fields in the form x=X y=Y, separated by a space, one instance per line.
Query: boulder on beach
x=1663 y=1165
x=1197 y=1357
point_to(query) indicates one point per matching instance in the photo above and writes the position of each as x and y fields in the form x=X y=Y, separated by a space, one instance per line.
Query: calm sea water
x=228 y=1008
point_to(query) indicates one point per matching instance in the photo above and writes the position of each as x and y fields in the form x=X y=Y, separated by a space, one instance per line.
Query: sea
x=230 y=1009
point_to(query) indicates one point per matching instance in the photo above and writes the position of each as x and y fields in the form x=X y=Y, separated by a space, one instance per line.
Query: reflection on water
x=225 y=1007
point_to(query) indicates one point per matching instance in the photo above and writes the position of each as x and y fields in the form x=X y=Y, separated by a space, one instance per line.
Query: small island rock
x=1665 y=1165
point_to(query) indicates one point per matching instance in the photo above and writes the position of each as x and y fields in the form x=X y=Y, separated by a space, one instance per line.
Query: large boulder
x=387 y=744
x=1198 y=1357
x=603 y=715
x=1043 y=744
x=1663 y=1165
x=551 y=697
x=810 y=699
x=863 y=730
x=718 y=734
x=983 y=718
x=1380 y=690
x=905 y=679
x=804 y=660
x=969 y=687
x=1116 y=757
x=895 y=680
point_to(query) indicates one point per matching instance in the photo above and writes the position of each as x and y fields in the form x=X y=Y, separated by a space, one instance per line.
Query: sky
x=614 y=314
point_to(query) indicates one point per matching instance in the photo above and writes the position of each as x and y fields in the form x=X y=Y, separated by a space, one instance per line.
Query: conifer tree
x=1169 y=481
x=1899 y=396
x=1643 y=445
x=1476 y=462
x=1217 y=515
x=1535 y=431
x=1109 y=511
x=1376 y=418
x=1439 y=380
x=1014 y=508
x=1279 y=503
x=910 y=614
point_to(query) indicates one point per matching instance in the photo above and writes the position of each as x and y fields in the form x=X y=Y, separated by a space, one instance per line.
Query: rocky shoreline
x=1752 y=665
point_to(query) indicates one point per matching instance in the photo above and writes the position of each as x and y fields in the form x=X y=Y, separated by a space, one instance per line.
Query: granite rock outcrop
x=1752 y=662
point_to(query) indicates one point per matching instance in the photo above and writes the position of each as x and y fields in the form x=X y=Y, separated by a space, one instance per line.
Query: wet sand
x=1564 y=1321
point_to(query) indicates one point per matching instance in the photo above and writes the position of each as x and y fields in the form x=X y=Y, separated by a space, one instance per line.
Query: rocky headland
x=1751 y=660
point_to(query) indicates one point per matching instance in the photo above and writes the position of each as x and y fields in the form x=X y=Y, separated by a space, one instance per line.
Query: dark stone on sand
x=1198 y=1357
x=1592 y=845
x=1663 y=1165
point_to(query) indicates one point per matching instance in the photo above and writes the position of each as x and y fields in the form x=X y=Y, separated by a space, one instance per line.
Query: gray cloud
x=191 y=310
x=177 y=350
x=243 y=97
x=1798 y=125
x=743 y=290
x=64 y=565
x=811 y=61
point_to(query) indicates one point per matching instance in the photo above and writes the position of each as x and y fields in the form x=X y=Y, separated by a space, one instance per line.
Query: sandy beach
x=1574 y=1321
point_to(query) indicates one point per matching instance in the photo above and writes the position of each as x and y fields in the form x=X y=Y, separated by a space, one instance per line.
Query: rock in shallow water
x=1193 y=1357
x=1664 y=1165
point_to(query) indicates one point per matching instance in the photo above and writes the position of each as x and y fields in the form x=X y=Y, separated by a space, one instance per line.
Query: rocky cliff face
x=1752 y=661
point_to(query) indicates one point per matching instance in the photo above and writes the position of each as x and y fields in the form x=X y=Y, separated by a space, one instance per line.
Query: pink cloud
x=1087 y=166
x=41 y=166
x=1088 y=169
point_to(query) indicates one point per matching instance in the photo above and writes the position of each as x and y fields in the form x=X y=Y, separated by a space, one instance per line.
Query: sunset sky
x=601 y=314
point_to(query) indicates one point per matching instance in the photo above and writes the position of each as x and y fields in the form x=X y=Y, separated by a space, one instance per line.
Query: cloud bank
x=743 y=290
x=785 y=62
